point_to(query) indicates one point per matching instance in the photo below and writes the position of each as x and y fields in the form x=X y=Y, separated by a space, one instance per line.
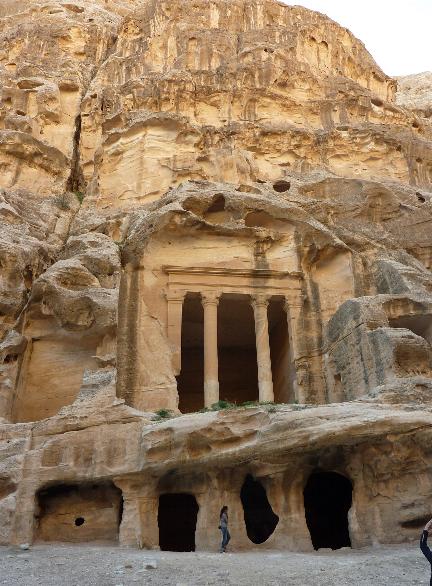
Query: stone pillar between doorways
x=210 y=302
x=174 y=326
x=265 y=379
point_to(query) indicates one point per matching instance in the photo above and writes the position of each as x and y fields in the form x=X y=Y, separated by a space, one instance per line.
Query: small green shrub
x=250 y=404
x=222 y=405
x=298 y=407
x=258 y=404
x=225 y=405
x=79 y=195
x=162 y=414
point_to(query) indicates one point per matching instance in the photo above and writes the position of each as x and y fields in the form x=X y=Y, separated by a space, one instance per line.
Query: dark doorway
x=190 y=383
x=283 y=369
x=327 y=500
x=177 y=519
x=238 y=369
x=259 y=517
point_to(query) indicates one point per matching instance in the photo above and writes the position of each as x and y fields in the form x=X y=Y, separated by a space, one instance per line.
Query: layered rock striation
x=217 y=200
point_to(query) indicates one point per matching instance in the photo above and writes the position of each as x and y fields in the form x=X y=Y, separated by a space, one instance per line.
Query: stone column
x=174 y=327
x=293 y=310
x=265 y=379
x=210 y=303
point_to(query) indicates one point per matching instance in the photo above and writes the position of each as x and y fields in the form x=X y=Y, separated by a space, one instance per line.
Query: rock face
x=415 y=92
x=218 y=200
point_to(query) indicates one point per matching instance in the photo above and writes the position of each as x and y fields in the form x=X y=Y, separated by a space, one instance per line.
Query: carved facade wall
x=202 y=201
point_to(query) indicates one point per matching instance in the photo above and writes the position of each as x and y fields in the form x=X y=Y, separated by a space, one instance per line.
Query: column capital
x=291 y=306
x=175 y=296
x=210 y=298
x=260 y=300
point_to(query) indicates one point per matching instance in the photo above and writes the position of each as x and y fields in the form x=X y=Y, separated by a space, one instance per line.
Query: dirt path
x=108 y=566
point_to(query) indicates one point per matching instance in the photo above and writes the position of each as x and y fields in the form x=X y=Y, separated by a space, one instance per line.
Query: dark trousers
x=225 y=538
x=425 y=549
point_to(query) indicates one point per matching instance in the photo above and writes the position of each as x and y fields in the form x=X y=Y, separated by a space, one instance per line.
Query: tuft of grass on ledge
x=163 y=415
x=228 y=406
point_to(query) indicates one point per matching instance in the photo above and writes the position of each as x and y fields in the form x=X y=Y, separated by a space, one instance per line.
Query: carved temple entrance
x=231 y=337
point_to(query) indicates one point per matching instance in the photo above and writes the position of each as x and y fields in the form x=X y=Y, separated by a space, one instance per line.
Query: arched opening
x=327 y=500
x=177 y=519
x=217 y=205
x=260 y=520
x=216 y=212
x=79 y=513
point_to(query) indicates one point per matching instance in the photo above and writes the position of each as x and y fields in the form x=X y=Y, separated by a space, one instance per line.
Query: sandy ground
x=109 y=566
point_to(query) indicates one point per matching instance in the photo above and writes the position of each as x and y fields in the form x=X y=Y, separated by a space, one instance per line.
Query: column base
x=211 y=393
x=266 y=393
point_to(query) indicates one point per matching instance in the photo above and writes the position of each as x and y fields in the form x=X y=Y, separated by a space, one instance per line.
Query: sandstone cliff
x=217 y=199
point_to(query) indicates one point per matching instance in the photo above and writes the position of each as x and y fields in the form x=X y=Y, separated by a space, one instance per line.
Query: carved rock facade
x=204 y=201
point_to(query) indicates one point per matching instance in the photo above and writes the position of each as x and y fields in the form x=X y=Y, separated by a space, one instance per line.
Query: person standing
x=424 y=545
x=223 y=526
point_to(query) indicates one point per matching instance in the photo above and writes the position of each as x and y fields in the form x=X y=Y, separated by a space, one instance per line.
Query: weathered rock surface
x=415 y=92
x=218 y=199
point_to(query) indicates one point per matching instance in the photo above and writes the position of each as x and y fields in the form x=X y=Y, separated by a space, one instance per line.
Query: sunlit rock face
x=217 y=200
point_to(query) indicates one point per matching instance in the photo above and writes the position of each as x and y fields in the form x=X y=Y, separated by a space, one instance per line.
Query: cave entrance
x=421 y=325
x=327 y=500
x=177 y=519
x=238 y=369
x=283 y=370
x=259 y=517
x=190 y=382
x=79 y=513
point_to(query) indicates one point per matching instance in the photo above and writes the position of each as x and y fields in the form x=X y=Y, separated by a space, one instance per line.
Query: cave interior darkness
x=260 y=520
x=177 y=519
x=327 y=501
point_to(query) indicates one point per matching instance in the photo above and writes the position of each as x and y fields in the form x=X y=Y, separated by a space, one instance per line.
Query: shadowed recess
x=177 y=519
x=327 y=500
x=259 y=517
x=79 y=513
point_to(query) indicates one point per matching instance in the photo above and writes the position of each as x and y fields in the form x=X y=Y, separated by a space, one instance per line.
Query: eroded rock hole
x=421 y=325
x=177 y=519
x=217 y=205
x=327 y=500
x=259 y=517
x=282 y=186
x=421 y=198
x=258 y=219
x=415 y=523
x=377 y=102
x=95 y=509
